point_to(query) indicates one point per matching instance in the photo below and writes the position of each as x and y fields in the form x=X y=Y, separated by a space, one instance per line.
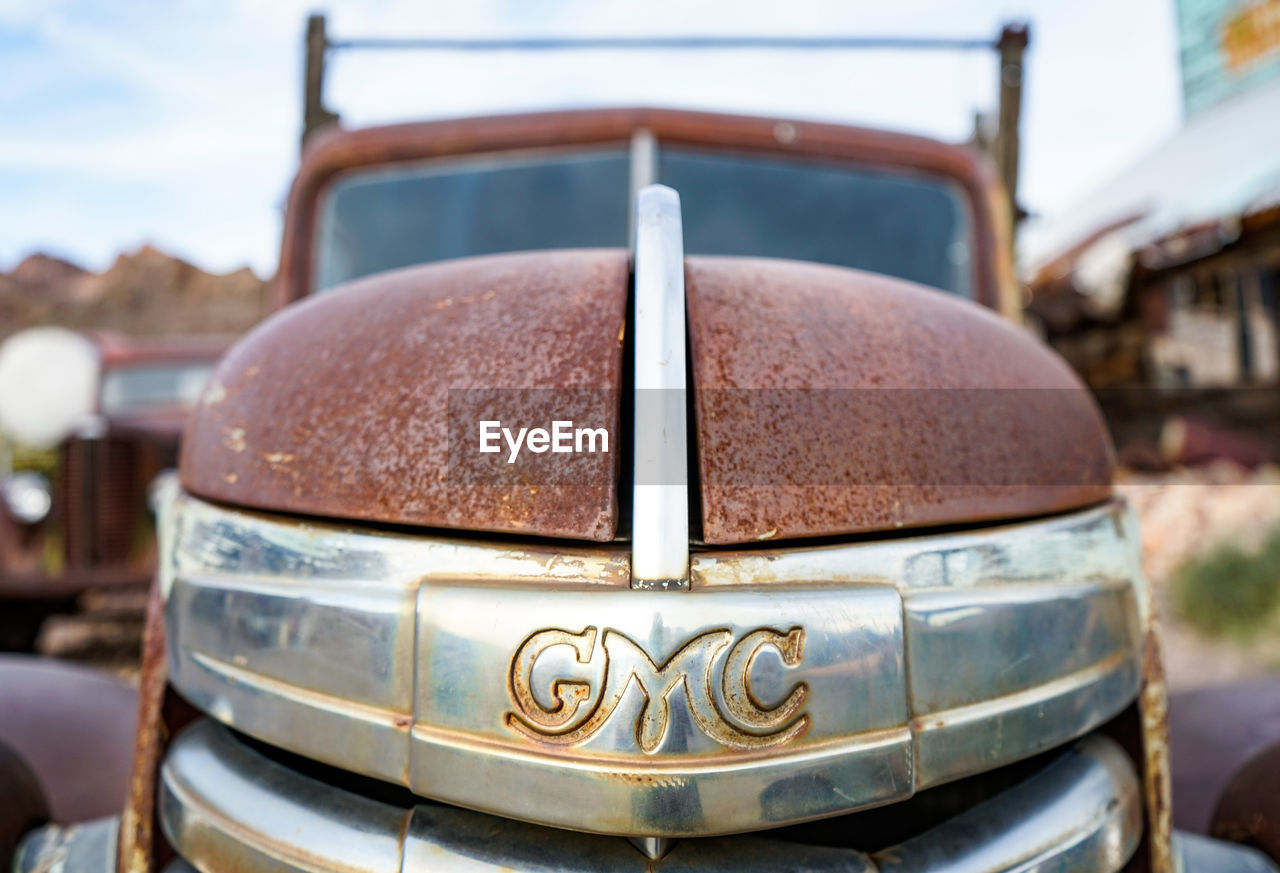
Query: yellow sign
x=1251 y=33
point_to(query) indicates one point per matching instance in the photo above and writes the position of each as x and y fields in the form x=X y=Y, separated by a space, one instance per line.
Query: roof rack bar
x=1010 y=46
x=697 y=43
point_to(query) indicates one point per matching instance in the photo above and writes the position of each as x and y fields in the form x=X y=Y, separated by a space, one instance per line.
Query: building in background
x=1226 y=47
x=1168 y=279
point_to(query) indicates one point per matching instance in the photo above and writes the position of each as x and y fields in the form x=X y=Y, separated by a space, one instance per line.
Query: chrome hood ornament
x=660 y=497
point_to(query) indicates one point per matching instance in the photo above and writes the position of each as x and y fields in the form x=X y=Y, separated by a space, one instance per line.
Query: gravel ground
x=1186 y=512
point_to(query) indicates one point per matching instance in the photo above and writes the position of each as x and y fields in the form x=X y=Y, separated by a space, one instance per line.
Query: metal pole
x=665 y=43
x=314 y=113
x=1012 y=46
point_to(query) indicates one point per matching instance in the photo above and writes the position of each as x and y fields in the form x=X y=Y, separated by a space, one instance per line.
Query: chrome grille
x=421 y=661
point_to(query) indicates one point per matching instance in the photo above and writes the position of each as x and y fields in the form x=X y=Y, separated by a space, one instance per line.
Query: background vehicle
x=75 y=514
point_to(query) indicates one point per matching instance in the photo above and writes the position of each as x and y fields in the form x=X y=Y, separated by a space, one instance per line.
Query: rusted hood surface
x=830 y=402
x=339 y=406
x=826 y=402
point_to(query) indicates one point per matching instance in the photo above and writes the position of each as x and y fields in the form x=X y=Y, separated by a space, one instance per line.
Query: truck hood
x=826 y=402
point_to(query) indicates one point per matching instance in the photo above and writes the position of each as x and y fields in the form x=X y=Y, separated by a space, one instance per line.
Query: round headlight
x=48 y=385
x=26 y=497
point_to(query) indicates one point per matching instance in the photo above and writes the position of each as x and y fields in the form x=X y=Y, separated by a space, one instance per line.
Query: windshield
x=380 y=220
x=141 y=388
x=911 y=226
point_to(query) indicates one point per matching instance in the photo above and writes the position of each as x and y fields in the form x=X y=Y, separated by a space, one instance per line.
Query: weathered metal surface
x=1249 y=809
x=226 y=807
x=78 y=848
x=1214 y=732
x=68 y=721
x=135 y=846
x=345 y=672
x=1092 y=782
x=646 y=718
x=340 y=408
x=161 y=714
x=158 y=423
x=1144 y=728
x=1198 y=854
x=23 y=805
x=332 y=152
x=830 y=402
x=465 y=670
x=1153 y=708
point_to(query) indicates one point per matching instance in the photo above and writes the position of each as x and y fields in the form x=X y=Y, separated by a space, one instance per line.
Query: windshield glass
x=374 y=221
x=129 y=390
x=911 y=226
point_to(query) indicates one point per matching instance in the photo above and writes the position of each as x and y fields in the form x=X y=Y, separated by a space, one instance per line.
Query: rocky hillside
x=146 y=292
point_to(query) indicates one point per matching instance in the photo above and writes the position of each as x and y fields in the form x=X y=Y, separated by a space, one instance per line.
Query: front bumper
x=225 y=806
x=228 y=807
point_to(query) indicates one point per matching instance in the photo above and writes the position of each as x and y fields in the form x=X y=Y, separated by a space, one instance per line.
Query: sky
x=176 y=123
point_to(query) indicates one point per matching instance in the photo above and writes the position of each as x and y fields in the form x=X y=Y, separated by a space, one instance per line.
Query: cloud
x=177 y=124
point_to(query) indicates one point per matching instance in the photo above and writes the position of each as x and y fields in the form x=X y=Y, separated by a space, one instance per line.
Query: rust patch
x=137 y=823
x=214 y=394
x=830 y=401
x=1153 y=707
x=278 y=461
x=339 y=407
x=161 y=714
x=646 y=780
x=233 y=437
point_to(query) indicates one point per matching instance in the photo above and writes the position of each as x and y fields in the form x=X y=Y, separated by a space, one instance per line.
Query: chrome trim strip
x=1083 y=812
x=875 y=669
x=660 y=501
x=1198 y=854
x=85 y=847
x=224 y=806
x=644 y=172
